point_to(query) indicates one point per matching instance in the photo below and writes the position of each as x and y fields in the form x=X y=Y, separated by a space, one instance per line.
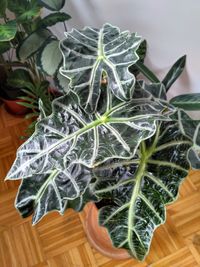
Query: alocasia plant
x=110 y=137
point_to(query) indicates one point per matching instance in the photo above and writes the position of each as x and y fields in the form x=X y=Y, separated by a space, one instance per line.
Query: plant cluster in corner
x=112 y=139
x=25 y=42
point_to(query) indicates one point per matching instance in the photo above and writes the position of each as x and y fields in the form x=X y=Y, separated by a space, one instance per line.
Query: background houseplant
x=24 y=40
x=110 y=138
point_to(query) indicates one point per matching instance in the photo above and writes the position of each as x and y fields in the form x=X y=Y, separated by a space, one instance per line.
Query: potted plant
x=25 y=36
x=111 y=139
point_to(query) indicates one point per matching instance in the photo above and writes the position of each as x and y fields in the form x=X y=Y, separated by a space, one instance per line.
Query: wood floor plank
x=60 y=241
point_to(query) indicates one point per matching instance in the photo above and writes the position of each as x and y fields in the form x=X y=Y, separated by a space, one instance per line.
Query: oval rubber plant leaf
x=54 y=5
x=8 y=31
x=50 y=57
x=32 y=43
x=89 y=53
x=174 y=72
x=187 y=101
x=141 y=187
x=52 y=19
x=71 y=135
x=49 y=192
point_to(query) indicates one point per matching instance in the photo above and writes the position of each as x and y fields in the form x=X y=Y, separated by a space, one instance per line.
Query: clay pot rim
x=99 y=238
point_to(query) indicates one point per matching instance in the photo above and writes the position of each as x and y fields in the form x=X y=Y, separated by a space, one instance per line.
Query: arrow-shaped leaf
x=89 y=53
x=71 y=135
x=140 y=188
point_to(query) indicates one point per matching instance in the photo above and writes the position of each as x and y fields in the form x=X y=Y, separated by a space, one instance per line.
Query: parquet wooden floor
x=60 y=241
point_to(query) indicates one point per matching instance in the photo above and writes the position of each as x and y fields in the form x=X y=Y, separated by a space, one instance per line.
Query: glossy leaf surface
x=187 y=101
x=70 y=135
x=91 y=53
x=52 y=19
x=146 y=72
x=49 y=58
x=141 y=187
x=157 y=90
x=174 y=73
x=52 y=191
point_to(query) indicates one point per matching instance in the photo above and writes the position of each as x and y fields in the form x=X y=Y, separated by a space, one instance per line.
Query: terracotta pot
x=14 y=108
x=98 y=236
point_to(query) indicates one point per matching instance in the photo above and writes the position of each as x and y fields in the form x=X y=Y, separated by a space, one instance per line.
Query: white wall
x=171 y=28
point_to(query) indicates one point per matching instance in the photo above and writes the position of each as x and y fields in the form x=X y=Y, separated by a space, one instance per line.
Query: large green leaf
x=54 y=162
x=187 y=101
x=71 y=135
x=8 y=31
x=54 y=5
x=90 y=53
x=50 y=57
x=174 y=72
x=52 y=19
x=140 y=188
x=32 y=43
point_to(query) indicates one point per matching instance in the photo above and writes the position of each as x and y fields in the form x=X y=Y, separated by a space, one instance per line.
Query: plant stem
x=65 y=26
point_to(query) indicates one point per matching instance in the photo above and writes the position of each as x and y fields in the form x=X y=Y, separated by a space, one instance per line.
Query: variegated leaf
x=71 y=135
x=90 y=53
x=190 y=128
x=156 y=89
x=52 y=191
x=50 y=53
x=140 y=188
